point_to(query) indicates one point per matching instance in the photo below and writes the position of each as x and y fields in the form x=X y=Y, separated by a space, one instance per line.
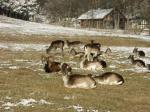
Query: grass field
x=25 y=87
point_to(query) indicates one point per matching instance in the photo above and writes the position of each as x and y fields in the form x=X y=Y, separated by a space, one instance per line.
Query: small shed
x=103 y=19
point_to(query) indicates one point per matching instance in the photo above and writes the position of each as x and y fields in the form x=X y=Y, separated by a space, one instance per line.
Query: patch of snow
x=22 y=47
x=8 y=98
x=92 y=110
x=29 y=28
x=69 y=97
x=13 y=67
x=95 y=14
x=112 y=66
x=25 y=102
x=146 y=77
x=78 y=108
x=9 y=104
x=136 y=69
x=42 y=102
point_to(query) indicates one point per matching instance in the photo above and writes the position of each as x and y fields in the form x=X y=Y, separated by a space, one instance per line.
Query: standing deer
x=73 y=43
x=56 y=44
x=92 y=48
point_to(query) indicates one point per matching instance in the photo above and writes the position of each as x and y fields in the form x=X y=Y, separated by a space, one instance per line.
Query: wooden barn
x=103 y=19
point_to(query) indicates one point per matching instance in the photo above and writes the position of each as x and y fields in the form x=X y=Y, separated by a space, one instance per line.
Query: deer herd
x=89 y=60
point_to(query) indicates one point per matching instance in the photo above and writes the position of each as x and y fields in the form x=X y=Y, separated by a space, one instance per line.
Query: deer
x=95 y=44
x=109 y=78
x=76 y=80
x=138 y=53
x=91 y=49
x=108 y=51
x=50 y=65
x=74 y=53
x=102 y=62
x=92 y=65
x=73 y=43
x=137 y=62
x=56 y=44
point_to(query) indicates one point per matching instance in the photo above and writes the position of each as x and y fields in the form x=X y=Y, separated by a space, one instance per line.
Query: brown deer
x=56 y=44
x=74 y=53
x=73 y=43
x=50 y=65
x=138 y=53
x=137 y=62
x=109 y=78
x=108 y=51
x=76 y=80
x=92 y=65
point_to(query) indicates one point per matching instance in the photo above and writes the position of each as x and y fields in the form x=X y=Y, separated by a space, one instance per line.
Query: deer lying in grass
x=138 y=53
x=109 y=78
x=74 y=53
x=92 y=65
x=136 y=62
x=102 y=62
x=50 y=65
x=108 y=51
x=73 y=43
x=76 y=80
x=56 y=44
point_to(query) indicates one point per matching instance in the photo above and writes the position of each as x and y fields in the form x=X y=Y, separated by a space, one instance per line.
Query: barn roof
x=95 y=14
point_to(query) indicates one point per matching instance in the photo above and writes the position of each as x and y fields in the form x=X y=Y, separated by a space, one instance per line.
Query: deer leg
x=88 y=56
x=62 y=51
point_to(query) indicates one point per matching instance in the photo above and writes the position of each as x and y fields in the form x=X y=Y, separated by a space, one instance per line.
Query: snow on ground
x=117 y=59
x=12 y=26
x=24 y=102
x=23 y=47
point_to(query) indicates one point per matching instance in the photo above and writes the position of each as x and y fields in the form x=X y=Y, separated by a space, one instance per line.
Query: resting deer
x=108 y=51
x=102 y=62
x=73 y=52
x=50 y=65
x=76 y=80
x=138 y=53
x=92 y=65
x=56 y=44
x=137 y=62
x=73 y=43
x=109 y=78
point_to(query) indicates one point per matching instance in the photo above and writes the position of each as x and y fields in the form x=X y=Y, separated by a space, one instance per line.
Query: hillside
x=16 y=27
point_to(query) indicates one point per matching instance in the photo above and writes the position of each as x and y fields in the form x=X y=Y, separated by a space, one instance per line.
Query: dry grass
x=30 y=82
x=106 y=41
